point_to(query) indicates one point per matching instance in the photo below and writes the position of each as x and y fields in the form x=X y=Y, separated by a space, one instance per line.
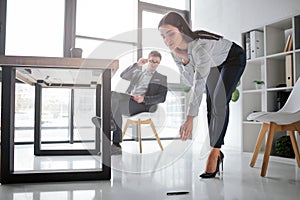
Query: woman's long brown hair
x=176 y=20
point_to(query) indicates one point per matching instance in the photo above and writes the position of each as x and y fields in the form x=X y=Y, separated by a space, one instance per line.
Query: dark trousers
x=220 y=84
x=123 y=104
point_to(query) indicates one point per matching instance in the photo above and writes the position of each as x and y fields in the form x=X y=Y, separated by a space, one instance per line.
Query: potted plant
x=284 y=148
x=258 y=84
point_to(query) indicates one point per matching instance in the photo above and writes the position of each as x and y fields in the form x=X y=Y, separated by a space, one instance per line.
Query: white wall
x=230 y=18
x=222 y=17
x=261 y=12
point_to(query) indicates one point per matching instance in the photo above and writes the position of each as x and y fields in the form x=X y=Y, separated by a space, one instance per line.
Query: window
x=95 y=18
x=35 y=28
x=178 y=4
x=108 y=30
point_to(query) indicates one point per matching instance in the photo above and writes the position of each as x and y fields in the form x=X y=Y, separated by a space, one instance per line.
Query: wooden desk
x=25 y=69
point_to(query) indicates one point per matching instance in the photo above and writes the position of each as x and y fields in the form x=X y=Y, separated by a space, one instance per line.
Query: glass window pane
x=151 y=19
x=178 y=4
x=103 y=49
x=24 y=113
x=84 y=110
x=63 y=195
x=86 y=194
x=33 y=29
x=105 y=20
x=22 y=195
x=124 y=53
x=117 y=83
x=55 y=114
x=87 y=46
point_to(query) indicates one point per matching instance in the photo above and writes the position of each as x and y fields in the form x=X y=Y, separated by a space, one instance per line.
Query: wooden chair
x=286 y=119
x=142 y=119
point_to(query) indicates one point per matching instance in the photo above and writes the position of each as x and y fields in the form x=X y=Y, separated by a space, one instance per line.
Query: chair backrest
x=292 y=104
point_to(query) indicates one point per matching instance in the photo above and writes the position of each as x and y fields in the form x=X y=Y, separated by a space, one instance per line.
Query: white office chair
x=145 y=118
x=286 y=119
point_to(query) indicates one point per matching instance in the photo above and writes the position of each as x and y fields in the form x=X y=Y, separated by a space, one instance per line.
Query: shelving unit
x=270 y=68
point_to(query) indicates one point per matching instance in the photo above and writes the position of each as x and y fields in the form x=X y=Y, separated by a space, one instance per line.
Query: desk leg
x=7 y=122
x=98 y=113
x=37 y=120
x=71 y=118
x=106 y=116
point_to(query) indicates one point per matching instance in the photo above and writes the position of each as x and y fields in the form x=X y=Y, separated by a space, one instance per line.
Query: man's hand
x=142 y=61
x=138 y=99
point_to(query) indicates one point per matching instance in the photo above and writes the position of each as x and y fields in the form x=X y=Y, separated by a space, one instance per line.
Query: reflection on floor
x=149 y=176
x=25 y=160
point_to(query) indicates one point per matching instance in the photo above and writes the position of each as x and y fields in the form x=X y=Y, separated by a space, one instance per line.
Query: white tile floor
x=150 y=175
x=25 y=161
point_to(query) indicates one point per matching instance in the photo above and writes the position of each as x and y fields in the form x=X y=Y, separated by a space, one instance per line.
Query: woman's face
x=172 y=36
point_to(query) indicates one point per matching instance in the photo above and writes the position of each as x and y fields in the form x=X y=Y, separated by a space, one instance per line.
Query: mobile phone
x=177 y=193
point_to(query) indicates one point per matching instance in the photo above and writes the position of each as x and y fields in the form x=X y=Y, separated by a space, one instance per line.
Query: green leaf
x=258 y=82
x=235 y=95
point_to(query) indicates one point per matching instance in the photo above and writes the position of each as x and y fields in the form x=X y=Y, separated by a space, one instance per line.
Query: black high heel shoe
x=212 y=175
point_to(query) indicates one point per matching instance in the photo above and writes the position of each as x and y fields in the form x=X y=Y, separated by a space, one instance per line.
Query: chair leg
x=156 y=135
x=295 y=146
x=272 y=130
x=125 y=128
x=140 y=135
x=260 y=139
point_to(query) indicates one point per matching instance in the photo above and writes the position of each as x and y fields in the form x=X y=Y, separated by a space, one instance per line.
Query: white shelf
x=258 y=60
x=252 y=91
x=280 y=56
x=270 y=68
x=279 y=88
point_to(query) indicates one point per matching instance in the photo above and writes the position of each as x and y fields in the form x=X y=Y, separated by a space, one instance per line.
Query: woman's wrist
x=189 y=118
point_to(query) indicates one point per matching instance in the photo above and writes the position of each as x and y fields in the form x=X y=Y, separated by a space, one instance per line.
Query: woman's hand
x=186 y=128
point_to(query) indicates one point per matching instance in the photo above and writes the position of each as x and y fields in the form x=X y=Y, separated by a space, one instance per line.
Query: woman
x=205 y=60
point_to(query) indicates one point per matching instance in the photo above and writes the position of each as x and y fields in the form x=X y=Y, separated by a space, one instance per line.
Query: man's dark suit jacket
x=157 y=88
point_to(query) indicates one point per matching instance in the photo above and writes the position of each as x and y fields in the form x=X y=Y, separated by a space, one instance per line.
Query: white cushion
x=280 y=118
x=289 y=114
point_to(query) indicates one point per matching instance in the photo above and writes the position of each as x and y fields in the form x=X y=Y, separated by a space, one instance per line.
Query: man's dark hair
x=155 y=53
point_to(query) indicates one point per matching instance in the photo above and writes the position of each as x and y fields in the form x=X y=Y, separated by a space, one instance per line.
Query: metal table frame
x=9 y=65
x=38 y=151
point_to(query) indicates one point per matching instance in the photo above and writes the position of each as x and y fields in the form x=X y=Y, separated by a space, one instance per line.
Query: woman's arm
x=202 y=61
x=194 y=74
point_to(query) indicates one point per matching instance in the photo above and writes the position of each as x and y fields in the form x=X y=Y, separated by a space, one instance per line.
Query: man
x=147 y=88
